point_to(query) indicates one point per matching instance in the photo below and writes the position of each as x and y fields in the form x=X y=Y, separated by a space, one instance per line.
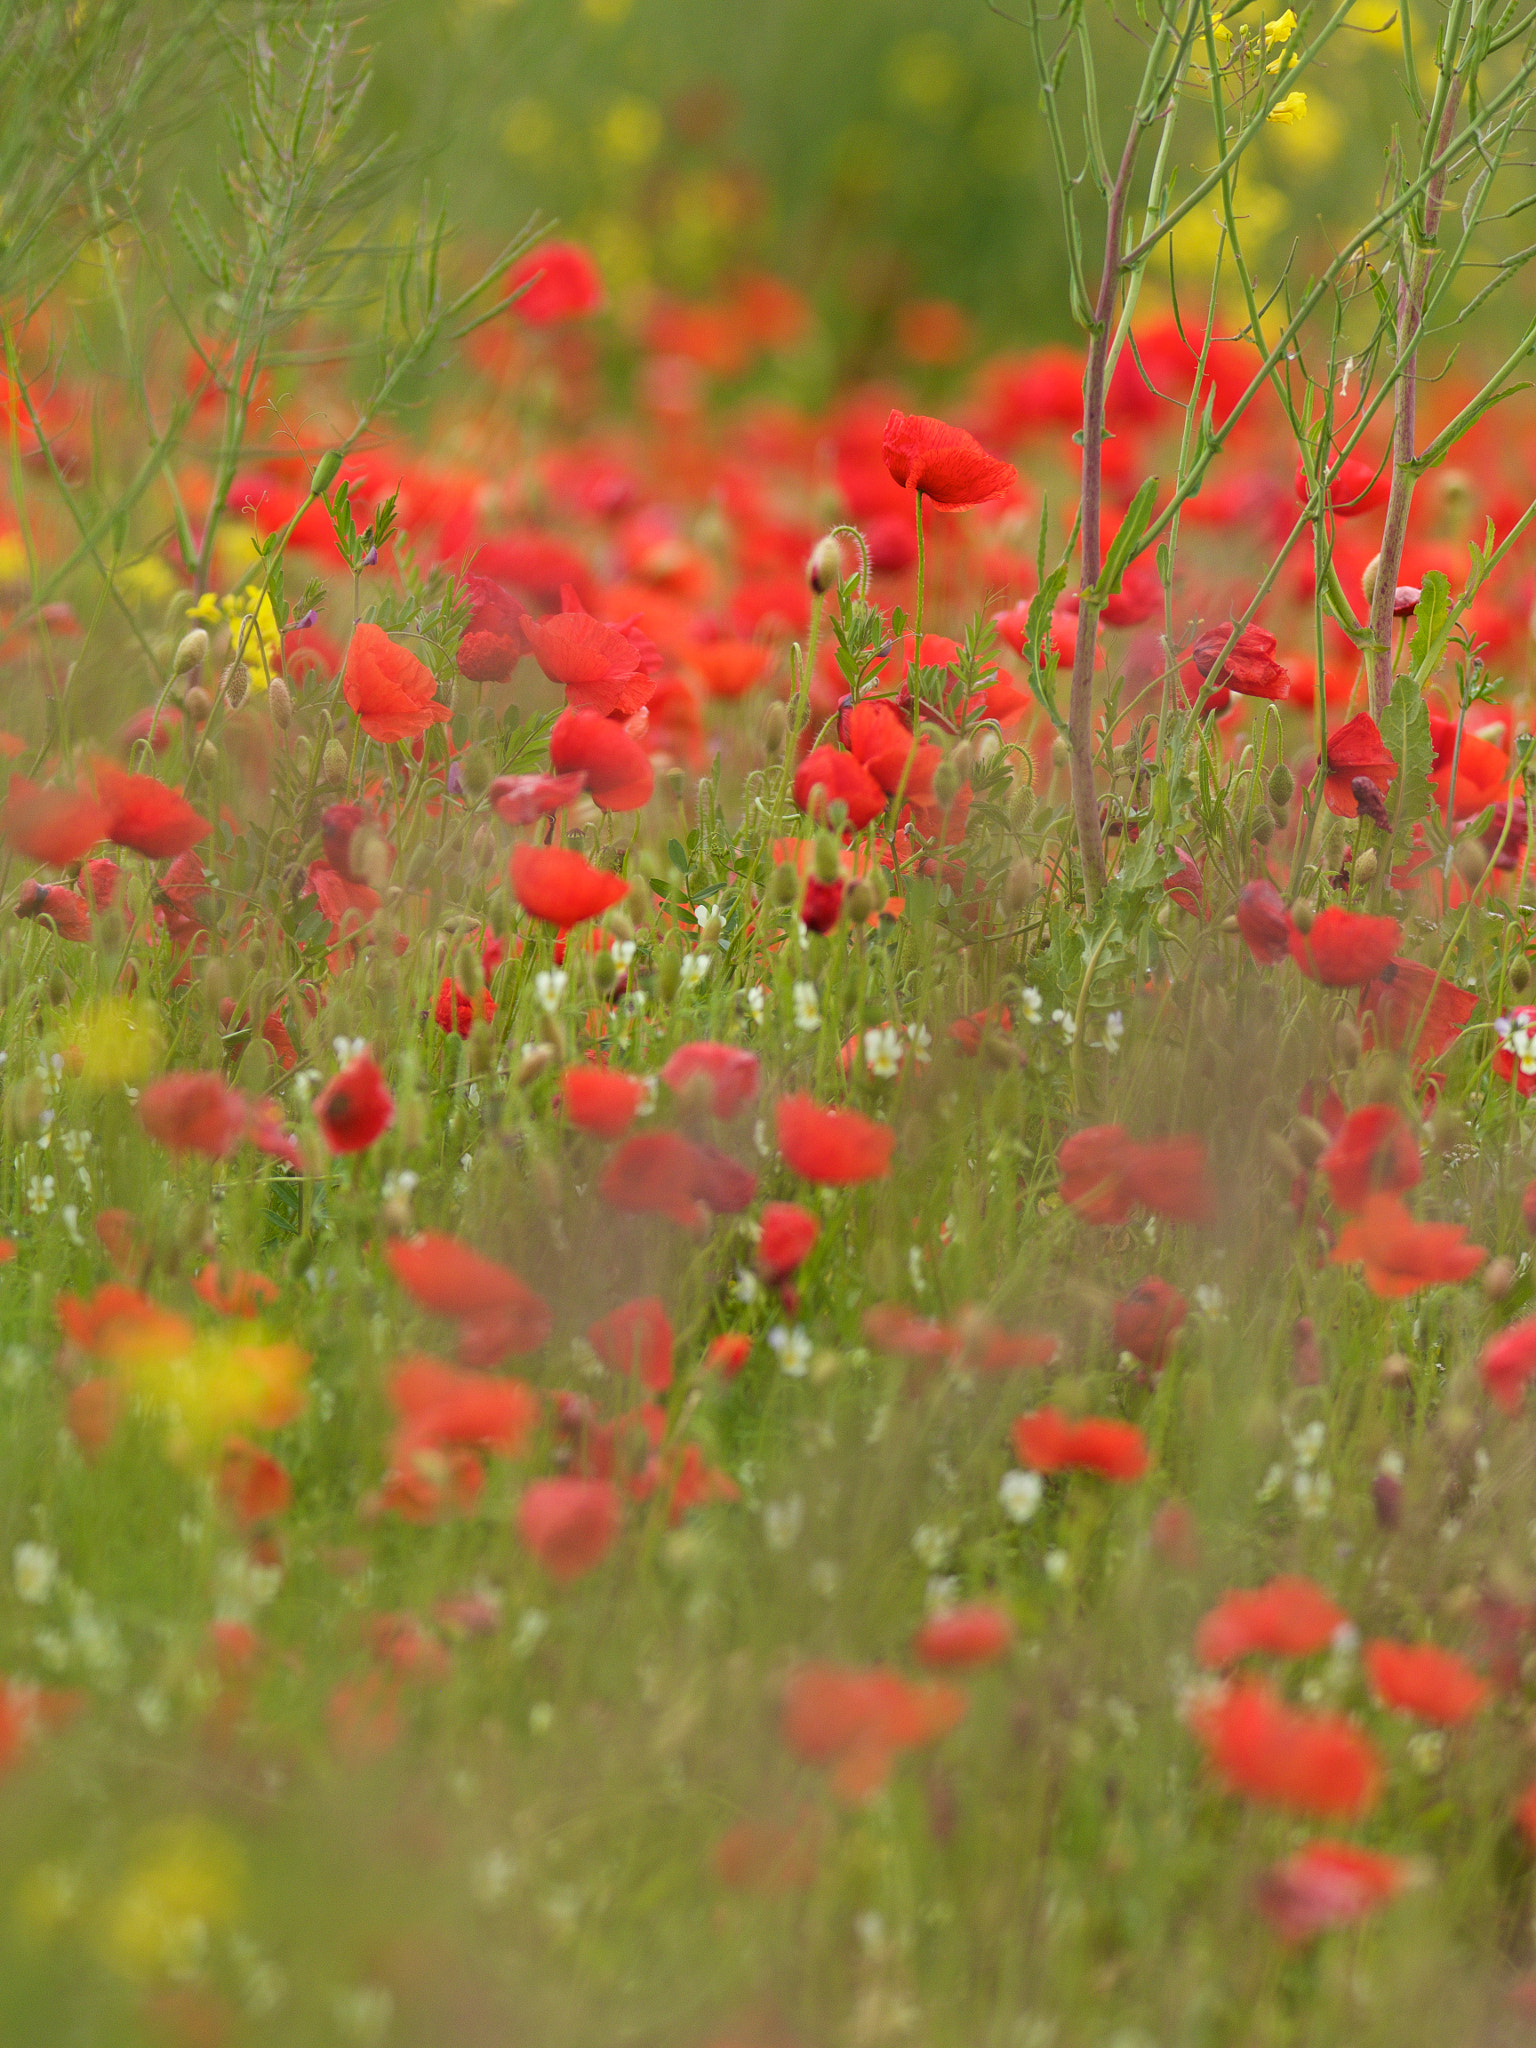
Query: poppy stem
x=917 y=621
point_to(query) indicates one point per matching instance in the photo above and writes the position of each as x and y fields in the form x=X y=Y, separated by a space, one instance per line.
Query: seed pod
x=1282 y=784
x=860 y=903
x=783 y=886
x=477 y=772
x=824 y=567
x=1022 y=808
x=236 y=684
x=605 y=972
x=1309 y=1140
x=191 y=652
x=1366 y=868
x=1471 y=861
x=619 y=925
x=1368 y=577
x=1303 y=915
x=197 y=703
x=775 y=728
x=279 y=703
x=1520 y=974
x=946 y=782
x=333 y=763
x=1263 y=827
x=824 y=858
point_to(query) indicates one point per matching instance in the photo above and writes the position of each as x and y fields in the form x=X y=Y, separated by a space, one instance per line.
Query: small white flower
x=490 y=1877
x=783 y=1521
x=34 y=1571
x=793 y=1349
x=824 y=1578
x=922 y=1044
x=807 y=1006
x=915 y=1268
x=757 y=1002
x=1067 y=1023
x=1058 y=1567
x=940 y=1593
x=1312 y=1492
x=348 y=1049
x=931 y=1544
x=1114 y=1031
x=696 y=968
x=71 y=1219
x=541 y=1718
x=646 y=1106
x=404 y=1183
x=40 y=1193
x=883 y=1051
x=76 y=1144
x=1426 y=1751
x=623 y=951
x=1211 y=1302
x=1308 y=1443
x=1019 y=1495
x=1031 y=1003
x=1270 y=1484
x=532 y=1627
x=746 y=1287
x=549 y=986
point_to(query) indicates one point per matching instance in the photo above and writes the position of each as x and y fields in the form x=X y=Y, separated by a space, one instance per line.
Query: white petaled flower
x=34 y=1572
x=931 y=1544
x=757 y=1003
x=793 y=1349
x=1114 y=1031
x=883 y=1051
x=696 y=968
x=746 y=1287
x=549 y=986
x=1067 y=1023
x=40 y=1193
x=1019 y=1494
x=915 y=1268
x=1058 y=1567
x=1312 y=1492
x=1032 y=1004
x=646 y=1106
x=783 y=1521
x=623 y=951
x=76 y=1144
x=1308 y=1443
x=348 y=1049
x=807 y=1006
x=1211 y=1302
x=921 y=1039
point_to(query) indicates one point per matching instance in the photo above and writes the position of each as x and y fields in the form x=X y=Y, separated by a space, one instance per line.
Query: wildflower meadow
x=767 y=1186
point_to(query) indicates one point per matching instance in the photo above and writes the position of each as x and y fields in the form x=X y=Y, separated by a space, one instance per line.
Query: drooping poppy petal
x=355 y=1107
x=194 y=1113
x=449 y=1278
x=1096 y=1166
x=146 y=816
x=1407 y=1005
x=1148 y=1319
x=1356 y=749
x=492 y=642
x=601 y=1099
x=618 y=771
x=949 y=466
x=1326 y=1885
x=1401 y=1255
x=837 y=1147
x=1289 y=1617
x=1508 y=1360
x=727 y=1074
x=636 y=1342
x=59 y=826
x=1264 y=922
x=1418 y=1678
x=569 y=1524
x=252 y=1484
x=596 y=665
x=1170 y=1177
x=827 y=775
x=393 y=694
x=1250 y=668
x=1345 y=948
x=1048 y=1441
x=66 y=910
x=655 y=1175
x=560 y=887
x=440 y=1406
x=1373 y=1153
x=964 y=1637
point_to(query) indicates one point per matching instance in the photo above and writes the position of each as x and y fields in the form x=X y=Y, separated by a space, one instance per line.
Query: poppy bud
x=861 y=905
x=962 y=758
x=1387 y=1497
x=1498 y=1278
x=301 y=755
x=1366 y=867
x=825 y=858
x=1381 y=1079
x=476 y=773
x=279 y=703
x=197 y=703
x=1395 y=1370
x=467 y=971
x=500 y=914
x=110 y=931
x=775 y=728
x=537 y=1059
x=1346 y=1042
x=333 y=763
x=946 y=782
x=1022 y=808
x=1368 y=577
x=1020 y=885
x=1309 y=1140
x=1303 y=915
x=191 y=652
x=216 y=984
x=987 y=744
x=482 y=1047
x=605 y=972
x=1471 y=861
x=783 y=886
x=1282 y=784
x=419 y=873
x=1283 y=1156
x=546 y=1179
x=1519 y=974
x=824 y=567
x=483 y=847
x=1263 y=827
x=619 y=925
x=236 y=684
x=1446 y=1127
x=669 y=974
x=1061 y=753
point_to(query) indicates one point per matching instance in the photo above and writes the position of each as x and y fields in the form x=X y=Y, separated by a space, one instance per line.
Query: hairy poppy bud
x=419 y=873
x=860 y=904
x=1446 y=1127
x=467 y=971
x=1471 y=861
x=477 y=773
x=1061 y=753
x=536 y=1060
x=946 y=781
x=197 y=704
x=1519 y=974
x=825 y=564
x=1283 y=1156
x=1282 y=784
x=987 y=744
x=639 y=901
x=1368 y=576
x=279 y=703
x=1022 y=808
x=825 y=858
x=236 y=684
x=1498 y=1278
x=24 y=1105
x=1263 y=827
x=482 y=1047
x=1302 y=916
x=333 y=763
x=605 y=972
x=1366 y=867
x=302 y=753
x=620 y=927
x=783 y=886
x=775 y=729
x=962 y=758
x=1020 y=886
x=1395 y=1370
x=483 y=848
x=669 y=974
x=191 y=652
x=1309 y=1140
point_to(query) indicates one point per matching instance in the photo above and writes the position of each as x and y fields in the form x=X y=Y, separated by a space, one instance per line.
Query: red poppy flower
x=455 y=1011
x=1343 y=948
x=728 y=1353
x=827 y=775
x=1250 y=668
x=636 y=1342
x=560 y=888
x=1048 y=1441
x=1105 y=1173
x=770 y=1856
x=1373 y=1153
x=1290 y=1617
x=114 y=1315
x=601 y=1100
x=1400 y=1255
x=1508 y=1360
x=492 y=642
x=67 y=912
x=59 y=826
x=618 y=771
x=882 y=741
x=834 y=1146
x=821 y=904
x=443 y=1408
x=569 y=1524
x=949 y=466
x=194 y=1113
x=1417 y=1678
x=860 y=1720
x=393 y=694
x=1356 y=749
x=1148 y=1319
x=964 y=1637
x=146 y=816
x=720 y=1183
x=339 y=825
x=562 y=283
x=598 y=666
x=1407 y=1004
x=521 y=799
x=1310 y=1763
x=355 y=1108
x=1264 y=922
x=252 y=1484
x=1328 y=1884
x=729 y=668
x=662 y=1174
x=727 y=1074
x=924 y=1341
x=1360 y=485
x=234 y=1293
x=785 y=1240
x=450 y=1279
x=92 y=1412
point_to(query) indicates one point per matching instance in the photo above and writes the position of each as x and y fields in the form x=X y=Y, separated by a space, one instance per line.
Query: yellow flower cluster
x=253 y=628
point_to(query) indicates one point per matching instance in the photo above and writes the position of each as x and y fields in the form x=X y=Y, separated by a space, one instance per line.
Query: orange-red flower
x=66 y=910
x=1105 y=1174
x=1289 y=1617
x=1264 y=922
x=600 y=1099
x=1355 y=750
x=569 y=1524
x=194 y=1113
x=560 y=888
x=964 y=1637
x=1310 y=1763
x=784 y=1241
x=727 y=1074
x=449 y=1278
x=146 y=816
x=554 y=283
x=252 y=1484
x=617 y=769
x=1418 y=1678
x=1407 y=1005
x=1344 y=948
x=598 y=666
x=859 y=1721
x=635 y=1341
x=393 y=693
x=1400 y=1255
x=492 y=642
x=355 y=1108
x=235 y=1293
x=1250 y=668
x=1328 y=1884
x=1372 y=1153
x=827 y=775
x=949 y=466
x=1048 y=1441
x=1148 y=1319
x=59 y=826
x=1508 y=1361
x=834 y=1146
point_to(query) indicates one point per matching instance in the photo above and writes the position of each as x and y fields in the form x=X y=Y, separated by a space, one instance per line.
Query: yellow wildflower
x=185 y=1882
x=1220 y=31
x=1280 y=30
x=205 y=1386
x=116 y=1039
x=1291 y=109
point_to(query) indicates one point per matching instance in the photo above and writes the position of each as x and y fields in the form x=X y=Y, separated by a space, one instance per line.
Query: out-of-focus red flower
x=92 y=1412
x=59 y=826
x=785 y=1240
x=451 y=1279
x=569 y=1524
x=727 y=1074
x=859 y=1721
x=1289 y=1617
x=521 y=799
x=560 y=887
x=828 y=775
x=442 y=1408
x=728 y=1353
x=1400 y=1255
x=964 y=1637
x=338 y=826
x=1508 y=1360
x=1515 y=1058
x=252 y=1484
x=1408 y=1005
x=492 y=642
x=598 y=666
x=1310 y=1763
x=1326 y=1885
x=617 y=769
x=1418 y=1678
x=1048 y=1441
x=1148 y=1319
x=146 y=816
x=1528 y=1206
x=393 y=694
x=1374 y=1152
x=556 y=282
x=455 y=1009
x=234 y=1292
x=1186 y=885
x=1359 y=485
x=355 y=1108
x=194 y=1113
x=1344 y=948
x=729 y=668
x=635 y=1341
x=769 y=1856
x=601 y=1099
x=834 y=1146
x=1250 y=668
x=1175 y=1535
x=662 y=1174
x=821 y=904
x=949 y=466
x=1356 y=749
x=67 y=912
x=1105 y=1174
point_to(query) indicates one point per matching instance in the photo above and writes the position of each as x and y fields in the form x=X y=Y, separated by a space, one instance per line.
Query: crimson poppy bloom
x=882 y=741
x=946 y=464
x=393 y=694
x=1373 y=1152
x=1400 y=1255
x=1289 y=1617
x=821 y=904
x=441 y=1407
x=569 y=1524
x=720 y=1182
x=859 y=1721
x=1105 y=1174
x=492 y=642
x=726 y=1074
x=1408 y=1005
x=1418 y=1678
x=59 y=826
x=729 y=668
x=1048 y=1441
x=560 y=888
x=1250 y=668
x=354 y=1108
x=1263 y=922
x=235 y=1293
x=252 y=1484
x=1360 y=485
x=600 y=1099
x=964 y=1637
x=662 y=1174
x=1148 y=1319
x=618 y=771
x=728 y=1353
x=67 y=911
x=1328 y=1884
x=194 y=1113
x=455 y=1009
x=834 y=1146
x=827 y=775
x=636 y=1342
x=449 y=1278
x=146 y=816
x=785 y=1240
x=1355 y=750
x=522 y=799
x=1310 y=1763
x=597 y=665
x=554 y=283
x=1508 y=1360
x=1345 y=949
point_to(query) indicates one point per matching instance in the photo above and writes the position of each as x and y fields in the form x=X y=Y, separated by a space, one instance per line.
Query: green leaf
x=1125 y=542
x=1433 y=624
x=1405 y=728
